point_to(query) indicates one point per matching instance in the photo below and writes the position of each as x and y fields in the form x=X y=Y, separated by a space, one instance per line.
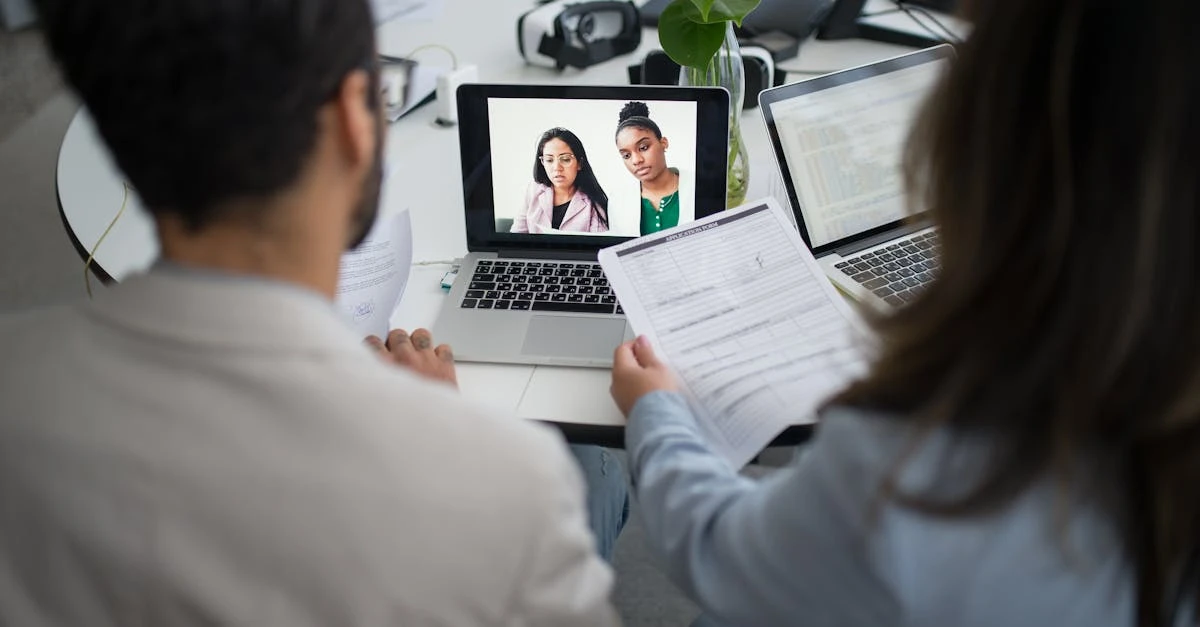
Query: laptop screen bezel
x=712 y=149
x=768 y=98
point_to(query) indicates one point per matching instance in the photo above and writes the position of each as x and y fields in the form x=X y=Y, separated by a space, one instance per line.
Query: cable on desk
x=87 y=265
x=946 y=35
x=453 y=57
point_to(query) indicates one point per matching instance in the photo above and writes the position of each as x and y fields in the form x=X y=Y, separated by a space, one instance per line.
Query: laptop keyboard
x=896 y=273
x=540 y=286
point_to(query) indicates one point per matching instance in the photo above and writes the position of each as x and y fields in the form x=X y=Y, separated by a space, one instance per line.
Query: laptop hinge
x=582 y=255
x=875 y=240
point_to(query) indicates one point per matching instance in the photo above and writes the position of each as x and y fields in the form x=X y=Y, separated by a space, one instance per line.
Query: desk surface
x=427 y=180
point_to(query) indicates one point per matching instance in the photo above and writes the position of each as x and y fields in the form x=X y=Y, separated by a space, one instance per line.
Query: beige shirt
x=201 y=450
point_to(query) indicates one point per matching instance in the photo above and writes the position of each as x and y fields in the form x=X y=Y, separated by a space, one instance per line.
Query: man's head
x=215 y=109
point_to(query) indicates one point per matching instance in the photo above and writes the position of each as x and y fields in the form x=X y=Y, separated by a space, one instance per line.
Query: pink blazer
x=582 y=215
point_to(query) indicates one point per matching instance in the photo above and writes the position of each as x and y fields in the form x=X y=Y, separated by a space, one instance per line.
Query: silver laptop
x=838 y=141
x=547 y=182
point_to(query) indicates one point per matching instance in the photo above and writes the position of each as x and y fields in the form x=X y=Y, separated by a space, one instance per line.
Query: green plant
x=691 y=31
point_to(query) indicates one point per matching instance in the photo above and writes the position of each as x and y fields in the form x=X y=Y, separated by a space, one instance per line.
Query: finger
x=623 y=357
x=444 y=353
x=422 y=339
x=645 y=353
x=399 y=346
x=375 y=343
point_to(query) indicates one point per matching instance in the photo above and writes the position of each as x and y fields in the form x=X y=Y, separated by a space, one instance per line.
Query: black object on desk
x=798 y=18
x=844 y=22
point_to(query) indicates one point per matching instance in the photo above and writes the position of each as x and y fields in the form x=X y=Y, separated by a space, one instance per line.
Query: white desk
x=427 y=180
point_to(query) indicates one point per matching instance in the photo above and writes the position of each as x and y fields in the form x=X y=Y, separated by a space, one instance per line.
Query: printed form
x=738 y=307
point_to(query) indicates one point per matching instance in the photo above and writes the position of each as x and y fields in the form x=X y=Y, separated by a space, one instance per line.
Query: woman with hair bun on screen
x=644 y=151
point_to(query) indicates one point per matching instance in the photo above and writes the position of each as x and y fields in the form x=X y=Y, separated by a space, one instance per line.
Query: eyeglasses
x=565 y=159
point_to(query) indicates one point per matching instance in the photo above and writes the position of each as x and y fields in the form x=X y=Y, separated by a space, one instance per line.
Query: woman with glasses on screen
x=643 y=149
x=1025 y=447
x=564 y=194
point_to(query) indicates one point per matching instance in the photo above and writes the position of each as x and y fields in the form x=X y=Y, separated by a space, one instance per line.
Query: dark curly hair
x=636 y=115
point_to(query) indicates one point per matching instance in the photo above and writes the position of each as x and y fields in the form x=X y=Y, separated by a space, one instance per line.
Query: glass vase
x=725 y=70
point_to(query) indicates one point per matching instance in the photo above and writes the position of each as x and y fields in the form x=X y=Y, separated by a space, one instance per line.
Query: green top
x=664 y=216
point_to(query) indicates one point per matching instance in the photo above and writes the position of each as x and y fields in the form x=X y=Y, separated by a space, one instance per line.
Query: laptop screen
x=580 y=168
x=839 y=141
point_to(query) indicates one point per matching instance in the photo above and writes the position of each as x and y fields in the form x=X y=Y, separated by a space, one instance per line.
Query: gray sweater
x=815 y=544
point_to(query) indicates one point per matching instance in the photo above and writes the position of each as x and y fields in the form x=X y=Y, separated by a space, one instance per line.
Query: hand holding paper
x=743 y=315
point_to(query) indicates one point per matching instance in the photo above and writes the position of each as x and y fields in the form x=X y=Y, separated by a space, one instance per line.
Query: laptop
x=537 y=212
x=838 y=141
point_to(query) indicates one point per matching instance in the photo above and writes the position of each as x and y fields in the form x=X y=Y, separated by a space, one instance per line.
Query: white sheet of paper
x=372 y=277
x=736 y=304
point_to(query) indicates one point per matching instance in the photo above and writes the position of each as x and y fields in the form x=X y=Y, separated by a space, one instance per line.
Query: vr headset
x=563 y=34
x=758 y=68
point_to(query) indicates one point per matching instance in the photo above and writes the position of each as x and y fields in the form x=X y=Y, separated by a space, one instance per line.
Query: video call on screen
x=601 y=186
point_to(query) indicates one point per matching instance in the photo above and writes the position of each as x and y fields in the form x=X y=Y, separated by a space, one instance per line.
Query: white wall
x=518 y=123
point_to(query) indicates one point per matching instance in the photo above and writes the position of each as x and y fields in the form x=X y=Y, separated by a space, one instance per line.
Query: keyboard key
x=531 y=270
x=566 y=265
x=525 y=296
x=541 y=296
x=863 y=277
x=499 y=263
x=536 y=289
x=883 y=291
x=570 y=289
x=546 y=271
x=516 y=264
x=574 y=298
x=875 y=262
x=924 y=277
x=905 y=261
x=522 y=305
x=506 y=296
x=891 y=266
x=842 y=266
x=898 y=286
x=875 y=283
x=912 y=281
x=862 y=267
x=574 y=307
x=567 y=280
x=492 y=294
x=553 y=289
x=481 y=285
x=558 y=298
x=486 y=304
x=608 y=299
x=583 y=281
x=501 y=304
x=906 y=296
x=591 y=298
x=867 y=256
x=595 y=274
x=469 y=303
x=483 y=262
x=893 y=300
x=620 y=309
x=474 y=293
x=924 y=245
x=561 y=271
x=905 y=272
x=892 y=277
x=587 y=289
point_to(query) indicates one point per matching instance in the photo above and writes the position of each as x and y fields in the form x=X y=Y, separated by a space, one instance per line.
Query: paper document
x=738 y=307
x=372 y=277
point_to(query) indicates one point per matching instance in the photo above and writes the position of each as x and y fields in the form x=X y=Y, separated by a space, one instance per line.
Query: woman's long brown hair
x=1060 y=159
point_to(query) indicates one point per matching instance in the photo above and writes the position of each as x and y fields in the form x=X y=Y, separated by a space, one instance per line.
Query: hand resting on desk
x=417 y=353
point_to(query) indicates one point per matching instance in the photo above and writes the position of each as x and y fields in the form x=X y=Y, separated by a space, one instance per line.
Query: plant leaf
x=714 y=11
x=687 y=41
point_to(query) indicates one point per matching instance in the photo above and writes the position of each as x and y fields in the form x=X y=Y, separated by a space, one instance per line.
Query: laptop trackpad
x=569 y=336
